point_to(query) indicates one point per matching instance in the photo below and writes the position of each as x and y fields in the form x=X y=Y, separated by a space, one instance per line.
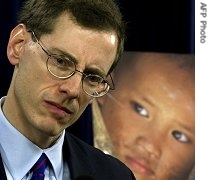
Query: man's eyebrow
x=95 y=71
x=89 y=70
x=65 y=54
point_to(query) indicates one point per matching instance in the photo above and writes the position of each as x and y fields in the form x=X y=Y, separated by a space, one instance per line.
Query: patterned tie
x=39 y=168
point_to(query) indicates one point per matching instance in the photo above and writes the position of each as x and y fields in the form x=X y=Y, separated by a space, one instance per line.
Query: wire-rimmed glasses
x=62 y=67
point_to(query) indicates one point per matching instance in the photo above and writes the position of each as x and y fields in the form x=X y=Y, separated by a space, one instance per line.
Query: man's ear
x=15 y=45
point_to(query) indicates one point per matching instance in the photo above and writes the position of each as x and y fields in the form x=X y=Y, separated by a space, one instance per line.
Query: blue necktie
x=39 y=168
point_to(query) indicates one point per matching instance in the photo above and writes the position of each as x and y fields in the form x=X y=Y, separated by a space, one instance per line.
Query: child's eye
x=180 y=136
x=140 y=109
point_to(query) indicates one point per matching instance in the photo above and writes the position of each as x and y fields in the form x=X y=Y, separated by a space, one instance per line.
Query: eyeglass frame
x=50 y=54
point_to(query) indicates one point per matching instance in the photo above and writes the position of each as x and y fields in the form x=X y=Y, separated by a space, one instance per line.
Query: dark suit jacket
x=85 y=160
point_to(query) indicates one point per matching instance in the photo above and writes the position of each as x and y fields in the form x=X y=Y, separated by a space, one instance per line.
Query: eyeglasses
x=62 y=67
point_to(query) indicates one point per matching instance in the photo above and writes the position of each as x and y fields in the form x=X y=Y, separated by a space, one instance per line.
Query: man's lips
x=58 y=109
x=139 y=166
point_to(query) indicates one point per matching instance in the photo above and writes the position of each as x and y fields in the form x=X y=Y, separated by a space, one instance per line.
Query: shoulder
x=97 y=161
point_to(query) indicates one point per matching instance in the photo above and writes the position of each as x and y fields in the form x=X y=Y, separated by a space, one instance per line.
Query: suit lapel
x=2 y=170
x=77 y=161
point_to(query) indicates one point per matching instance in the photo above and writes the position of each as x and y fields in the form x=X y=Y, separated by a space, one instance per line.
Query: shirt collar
x=20 y=154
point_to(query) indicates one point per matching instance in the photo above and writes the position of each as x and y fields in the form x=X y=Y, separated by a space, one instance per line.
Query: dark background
x=151 y=26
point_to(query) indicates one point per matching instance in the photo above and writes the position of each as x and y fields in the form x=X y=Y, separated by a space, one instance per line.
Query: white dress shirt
x=19 y=154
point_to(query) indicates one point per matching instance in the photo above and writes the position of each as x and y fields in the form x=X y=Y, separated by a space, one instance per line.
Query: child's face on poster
x=152 y=124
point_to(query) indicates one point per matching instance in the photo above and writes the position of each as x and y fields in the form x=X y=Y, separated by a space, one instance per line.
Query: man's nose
x=73 y=85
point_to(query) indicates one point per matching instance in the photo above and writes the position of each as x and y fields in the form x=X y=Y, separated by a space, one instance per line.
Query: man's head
x=150 y=116
x=63 y=52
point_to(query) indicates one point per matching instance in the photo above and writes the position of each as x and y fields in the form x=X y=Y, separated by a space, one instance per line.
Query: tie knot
x=39 y=168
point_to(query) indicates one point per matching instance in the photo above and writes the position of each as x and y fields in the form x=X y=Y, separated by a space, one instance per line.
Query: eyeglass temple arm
x=112 y=85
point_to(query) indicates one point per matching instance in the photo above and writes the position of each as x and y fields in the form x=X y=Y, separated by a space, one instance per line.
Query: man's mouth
x=58 y=109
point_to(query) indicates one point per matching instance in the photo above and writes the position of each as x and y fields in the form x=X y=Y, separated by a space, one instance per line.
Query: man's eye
x=61 y=61
x=94 y=79
x=140 y=110
x=180 y=136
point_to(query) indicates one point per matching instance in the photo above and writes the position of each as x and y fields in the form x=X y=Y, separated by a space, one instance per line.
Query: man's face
x=151 y=123
x=43 y=103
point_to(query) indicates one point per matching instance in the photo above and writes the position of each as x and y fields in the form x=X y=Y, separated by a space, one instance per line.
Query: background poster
x=148 y=121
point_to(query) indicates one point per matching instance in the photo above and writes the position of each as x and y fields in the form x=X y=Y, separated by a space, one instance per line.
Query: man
x=63 y=53
x=148 y=122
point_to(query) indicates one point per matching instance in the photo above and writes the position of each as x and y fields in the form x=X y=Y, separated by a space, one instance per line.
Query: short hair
x=129 y=60
x=102 y=15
